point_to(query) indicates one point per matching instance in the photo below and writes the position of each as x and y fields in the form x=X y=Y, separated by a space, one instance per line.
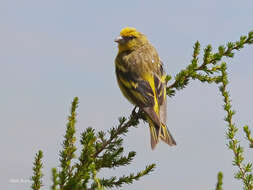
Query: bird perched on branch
x=142 y=80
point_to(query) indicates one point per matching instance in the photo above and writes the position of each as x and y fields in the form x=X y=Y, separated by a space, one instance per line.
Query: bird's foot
x=134 y=111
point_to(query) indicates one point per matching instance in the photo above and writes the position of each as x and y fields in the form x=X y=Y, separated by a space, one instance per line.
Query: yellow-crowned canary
x=141 y=78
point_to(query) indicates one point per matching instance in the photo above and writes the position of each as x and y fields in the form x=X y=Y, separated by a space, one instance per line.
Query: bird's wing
x=142 y=80
x=136 y=89
x=147 y=92
x=161 y=84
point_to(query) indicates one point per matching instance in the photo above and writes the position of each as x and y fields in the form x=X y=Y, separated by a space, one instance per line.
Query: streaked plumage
x=141 y=79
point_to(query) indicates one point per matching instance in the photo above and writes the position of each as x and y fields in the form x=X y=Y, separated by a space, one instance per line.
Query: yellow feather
x=135 y=85
x=148 y=77
x=129 y=85
x=129 y=31
x=121 y=67
x=125 y=83
x=154 y=137
x=138 y=96
x=163 y=78
x=132 y=44
x=125 y=93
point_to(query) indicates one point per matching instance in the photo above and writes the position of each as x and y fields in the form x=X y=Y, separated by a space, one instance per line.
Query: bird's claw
x=134 y=111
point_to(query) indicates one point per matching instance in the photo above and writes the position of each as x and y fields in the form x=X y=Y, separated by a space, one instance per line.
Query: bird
x=142 y=80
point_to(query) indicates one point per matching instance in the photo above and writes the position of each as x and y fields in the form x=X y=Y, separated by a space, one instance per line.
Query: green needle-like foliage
x=219 y=183
x=101 y=149
x=114 y=182
x=67 y=154
x=37 y=173
x=248 y=135
x=212 y=71
x=208 y=69
x=245 y=170
x=54 y=179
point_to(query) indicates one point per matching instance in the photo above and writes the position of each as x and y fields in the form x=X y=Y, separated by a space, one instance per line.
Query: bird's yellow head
x=130 y=39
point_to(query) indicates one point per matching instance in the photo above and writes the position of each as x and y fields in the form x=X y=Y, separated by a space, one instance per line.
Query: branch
x=69 y=148
x=183 y=77
x=244 y=172
x=113 y=182
x=122 y=128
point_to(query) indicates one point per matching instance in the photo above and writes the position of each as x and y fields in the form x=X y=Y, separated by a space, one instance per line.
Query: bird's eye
x=129 y=37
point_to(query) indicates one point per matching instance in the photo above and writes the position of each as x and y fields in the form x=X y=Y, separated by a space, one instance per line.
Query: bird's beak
x=119 y=40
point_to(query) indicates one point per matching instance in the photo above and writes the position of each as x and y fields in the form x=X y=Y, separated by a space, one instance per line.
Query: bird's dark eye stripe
x=129 y=37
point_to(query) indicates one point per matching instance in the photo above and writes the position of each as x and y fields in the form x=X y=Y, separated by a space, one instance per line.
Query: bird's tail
x=166 y=136
x=157 y=132
x=154 y=134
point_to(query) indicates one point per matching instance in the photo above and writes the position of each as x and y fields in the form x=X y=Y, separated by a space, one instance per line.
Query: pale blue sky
x=51 y=51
